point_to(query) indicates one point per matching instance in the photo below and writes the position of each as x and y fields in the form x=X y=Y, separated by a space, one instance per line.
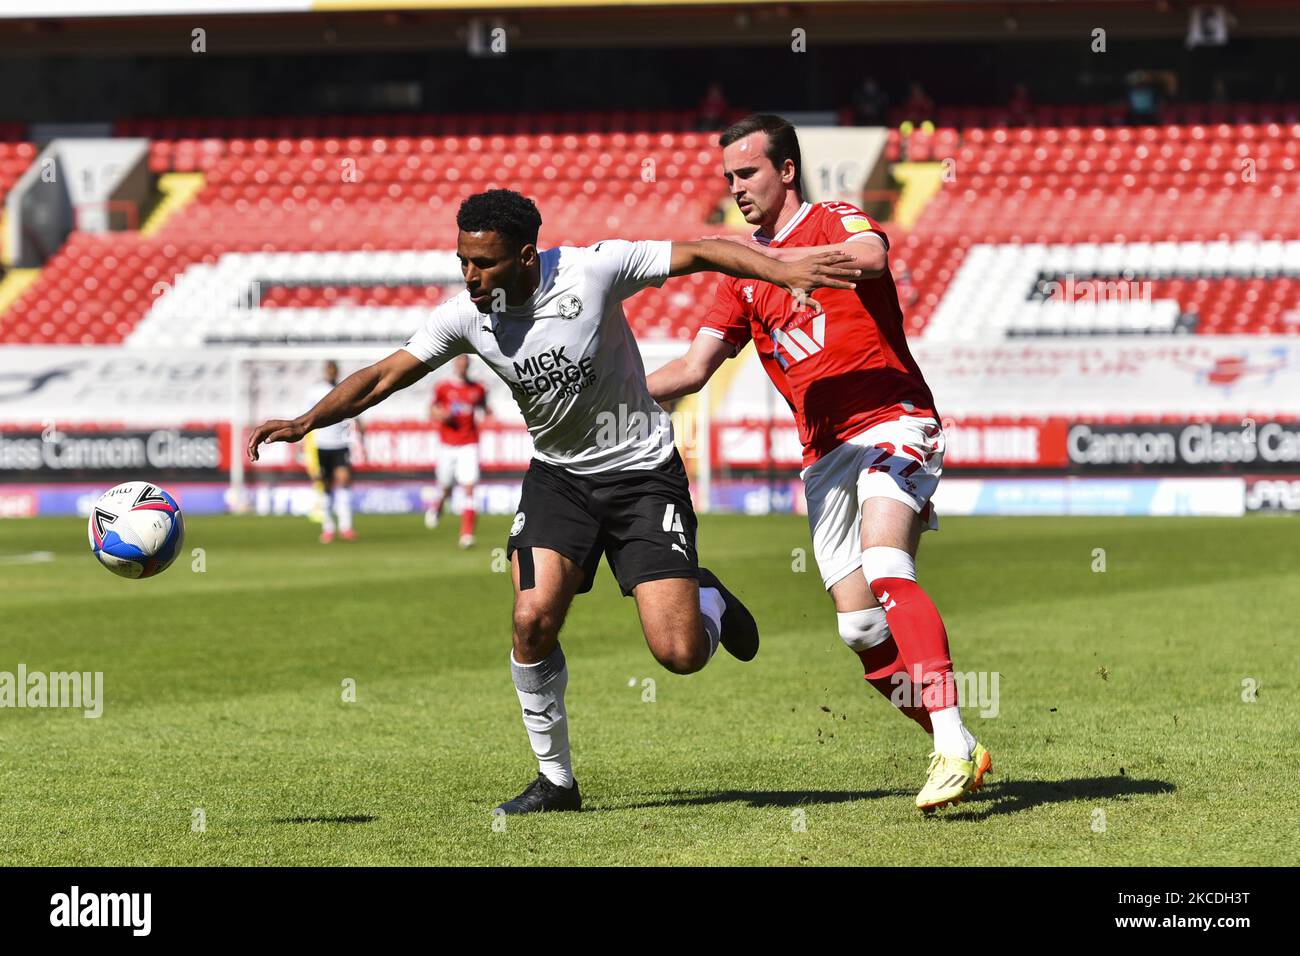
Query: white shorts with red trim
x=902 y=460
x=458 y=465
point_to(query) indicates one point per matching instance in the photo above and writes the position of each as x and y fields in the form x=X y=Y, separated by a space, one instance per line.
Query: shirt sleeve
x=441 y=338
x=845 y=222
x=631 y=266
x=728 y=317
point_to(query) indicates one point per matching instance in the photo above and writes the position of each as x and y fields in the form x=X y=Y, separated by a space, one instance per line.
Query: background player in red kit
x=458 y=403
x=873 y=446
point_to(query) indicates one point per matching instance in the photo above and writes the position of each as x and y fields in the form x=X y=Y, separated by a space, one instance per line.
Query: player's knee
x=684 y=660
x=535 y=628
x=682 y=656
x=862 y=630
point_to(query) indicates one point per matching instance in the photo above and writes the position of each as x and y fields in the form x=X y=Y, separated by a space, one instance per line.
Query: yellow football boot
x=983 y=764
x=948 y=782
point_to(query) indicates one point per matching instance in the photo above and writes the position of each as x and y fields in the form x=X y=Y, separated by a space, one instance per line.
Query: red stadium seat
x=393 y=182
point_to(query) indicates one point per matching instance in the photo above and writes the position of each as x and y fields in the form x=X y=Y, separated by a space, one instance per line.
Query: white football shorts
x=901 y=459
x=458 y=465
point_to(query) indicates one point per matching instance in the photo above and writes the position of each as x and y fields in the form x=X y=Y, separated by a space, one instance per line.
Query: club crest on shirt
x=570 y=307
x=748 y=292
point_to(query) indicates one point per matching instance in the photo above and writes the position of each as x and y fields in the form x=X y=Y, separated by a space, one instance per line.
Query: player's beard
x=508 y=283
x=757 y=216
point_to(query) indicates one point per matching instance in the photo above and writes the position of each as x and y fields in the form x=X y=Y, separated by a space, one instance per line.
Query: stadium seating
x=1000 y=290
x=186 y=132
x=372 y=194
x=1095 y=115
x=1152 y=203
x=15 y=157
x=403 y=192
x=1197 y=221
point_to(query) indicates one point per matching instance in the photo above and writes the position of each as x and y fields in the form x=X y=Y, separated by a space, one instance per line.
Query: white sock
x=969 y=738
x=540 y=688
x=950 y=736
x=712 y=607
x=327 y=513
x=343 y=502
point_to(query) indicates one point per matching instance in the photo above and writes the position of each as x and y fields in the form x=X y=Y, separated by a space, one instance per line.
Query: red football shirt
x=842 y=371
x=460 y=399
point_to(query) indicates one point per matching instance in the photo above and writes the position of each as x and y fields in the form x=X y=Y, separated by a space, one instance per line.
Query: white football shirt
x=569 y=357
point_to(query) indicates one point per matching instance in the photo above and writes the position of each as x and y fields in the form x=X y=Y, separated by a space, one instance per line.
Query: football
x=136 y=529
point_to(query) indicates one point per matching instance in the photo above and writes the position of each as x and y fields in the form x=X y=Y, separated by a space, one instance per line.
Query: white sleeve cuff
x=870 y=235
x=705 y=330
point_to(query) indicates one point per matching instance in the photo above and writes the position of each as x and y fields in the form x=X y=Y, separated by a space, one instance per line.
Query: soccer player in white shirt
x=334 y=461
x=606 y=477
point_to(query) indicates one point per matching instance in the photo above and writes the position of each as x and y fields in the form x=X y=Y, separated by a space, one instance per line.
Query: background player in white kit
x=333 y=451
x=606 y=477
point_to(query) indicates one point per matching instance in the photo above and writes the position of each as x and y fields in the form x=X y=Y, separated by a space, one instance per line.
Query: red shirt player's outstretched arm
x=723 y=332
x=688 y=374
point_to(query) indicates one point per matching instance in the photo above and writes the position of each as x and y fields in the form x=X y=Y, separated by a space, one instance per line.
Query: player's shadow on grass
x=757 y=798
x=997 y=796
x=355 y=818
x=1013 y=796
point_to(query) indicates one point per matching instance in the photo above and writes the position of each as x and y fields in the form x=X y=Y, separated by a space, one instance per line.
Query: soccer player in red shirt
x=457 y=404
x=873 y=445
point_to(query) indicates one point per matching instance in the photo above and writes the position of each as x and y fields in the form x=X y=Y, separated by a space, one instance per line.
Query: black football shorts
x=331 y=458
x=641 y=520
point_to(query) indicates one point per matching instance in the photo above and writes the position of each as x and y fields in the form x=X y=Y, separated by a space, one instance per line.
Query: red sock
x=880 y=664
x=467 y=521
x=922 y=641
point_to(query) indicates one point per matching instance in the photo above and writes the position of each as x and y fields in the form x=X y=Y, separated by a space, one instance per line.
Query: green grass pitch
x=1122 y=734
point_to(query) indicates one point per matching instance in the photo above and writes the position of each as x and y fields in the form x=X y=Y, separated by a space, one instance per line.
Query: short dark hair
x=782 y=141
x=503 y=211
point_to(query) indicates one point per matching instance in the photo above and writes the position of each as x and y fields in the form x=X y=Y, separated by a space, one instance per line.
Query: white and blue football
x=136 y=529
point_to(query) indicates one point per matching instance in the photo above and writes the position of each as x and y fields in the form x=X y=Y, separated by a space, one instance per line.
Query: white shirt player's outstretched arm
x=866 y=252
x=352 y=396
x=822 y=270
